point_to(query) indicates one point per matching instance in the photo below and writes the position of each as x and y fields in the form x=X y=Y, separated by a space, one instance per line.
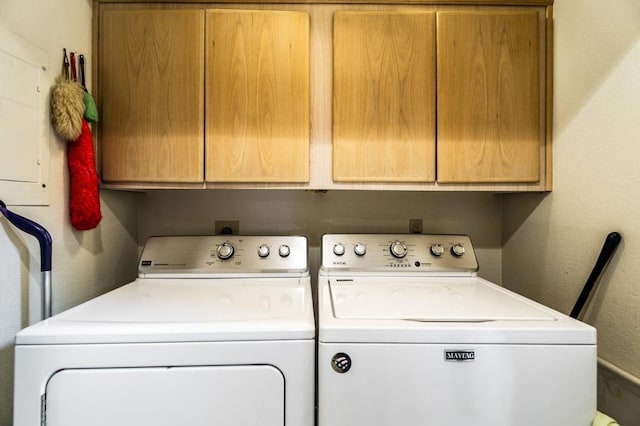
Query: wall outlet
x=227 y=227
x=415 y=226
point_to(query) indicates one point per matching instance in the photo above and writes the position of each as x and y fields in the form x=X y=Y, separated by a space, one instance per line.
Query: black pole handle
x=610 y=244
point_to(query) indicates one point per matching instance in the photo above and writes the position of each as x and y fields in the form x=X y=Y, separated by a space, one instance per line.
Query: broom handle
x=610 y=244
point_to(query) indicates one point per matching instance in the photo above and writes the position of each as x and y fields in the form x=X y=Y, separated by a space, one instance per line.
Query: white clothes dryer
x=216 y=330
x=409 y=335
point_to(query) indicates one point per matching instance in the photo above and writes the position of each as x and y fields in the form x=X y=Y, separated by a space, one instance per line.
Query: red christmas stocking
x=84 y=196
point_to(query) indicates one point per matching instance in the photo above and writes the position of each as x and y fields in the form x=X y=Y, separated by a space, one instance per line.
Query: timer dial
x=398 y=249
x=225 y=251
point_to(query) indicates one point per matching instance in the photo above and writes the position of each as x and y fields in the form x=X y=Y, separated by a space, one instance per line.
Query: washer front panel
x=492 y=385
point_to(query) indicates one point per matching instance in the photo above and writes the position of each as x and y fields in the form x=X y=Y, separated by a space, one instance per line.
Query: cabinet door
x=384 y=96
x=152 y=92
x=257 y=91
x=489 y=96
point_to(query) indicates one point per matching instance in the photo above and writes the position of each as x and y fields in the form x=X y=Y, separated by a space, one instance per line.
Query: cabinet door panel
x=152 y=94
x=257 y=91
x=384 y=96
x=489 y=82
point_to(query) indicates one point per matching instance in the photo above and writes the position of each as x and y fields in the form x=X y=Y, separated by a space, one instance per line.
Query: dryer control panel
x=224 y=255
x=403 y=253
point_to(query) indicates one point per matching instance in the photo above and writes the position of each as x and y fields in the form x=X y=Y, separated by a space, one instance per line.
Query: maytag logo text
x=459 y=355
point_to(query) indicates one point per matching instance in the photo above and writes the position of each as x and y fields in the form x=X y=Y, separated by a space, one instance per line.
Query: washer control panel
x=224 y=254
x=398 y=252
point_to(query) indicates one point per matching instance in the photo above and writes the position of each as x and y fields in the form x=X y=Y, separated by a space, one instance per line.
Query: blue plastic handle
x=32 y=228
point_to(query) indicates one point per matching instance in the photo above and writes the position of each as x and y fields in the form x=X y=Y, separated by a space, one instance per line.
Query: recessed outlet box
x=227 y=227
x=415 y=226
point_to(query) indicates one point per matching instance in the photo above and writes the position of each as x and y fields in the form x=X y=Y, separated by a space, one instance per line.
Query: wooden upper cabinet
x=384 y=96
x=151 y=79
x=420 y=96
x=257 y=91
x=490 y=121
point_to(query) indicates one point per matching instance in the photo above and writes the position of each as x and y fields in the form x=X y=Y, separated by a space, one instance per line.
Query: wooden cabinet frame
x=321 y=86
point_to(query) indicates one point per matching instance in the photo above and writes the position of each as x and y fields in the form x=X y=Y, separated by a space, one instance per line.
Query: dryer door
x=246 y=395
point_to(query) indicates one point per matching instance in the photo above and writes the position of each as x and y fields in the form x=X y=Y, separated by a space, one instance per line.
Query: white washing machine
x=217 y=330
x=410 y=335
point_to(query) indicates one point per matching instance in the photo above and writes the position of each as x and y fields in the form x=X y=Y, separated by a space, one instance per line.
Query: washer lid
x=169 y=310
x=438 y=299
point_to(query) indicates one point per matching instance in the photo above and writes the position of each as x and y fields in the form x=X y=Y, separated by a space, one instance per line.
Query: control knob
x=398 y=249
x=437 y=250
x=360 y=249
x=457 y=250
x=225 y=251
x=284 y=250
x=263 y=251
x=338 y=249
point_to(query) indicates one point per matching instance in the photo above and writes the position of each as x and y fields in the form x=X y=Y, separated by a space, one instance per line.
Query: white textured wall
x=84 y=263
x=552 y=242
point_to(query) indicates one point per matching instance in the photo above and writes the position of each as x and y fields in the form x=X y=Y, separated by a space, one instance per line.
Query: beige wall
x=84 y=263
x=552 y=242
x=314 y=213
